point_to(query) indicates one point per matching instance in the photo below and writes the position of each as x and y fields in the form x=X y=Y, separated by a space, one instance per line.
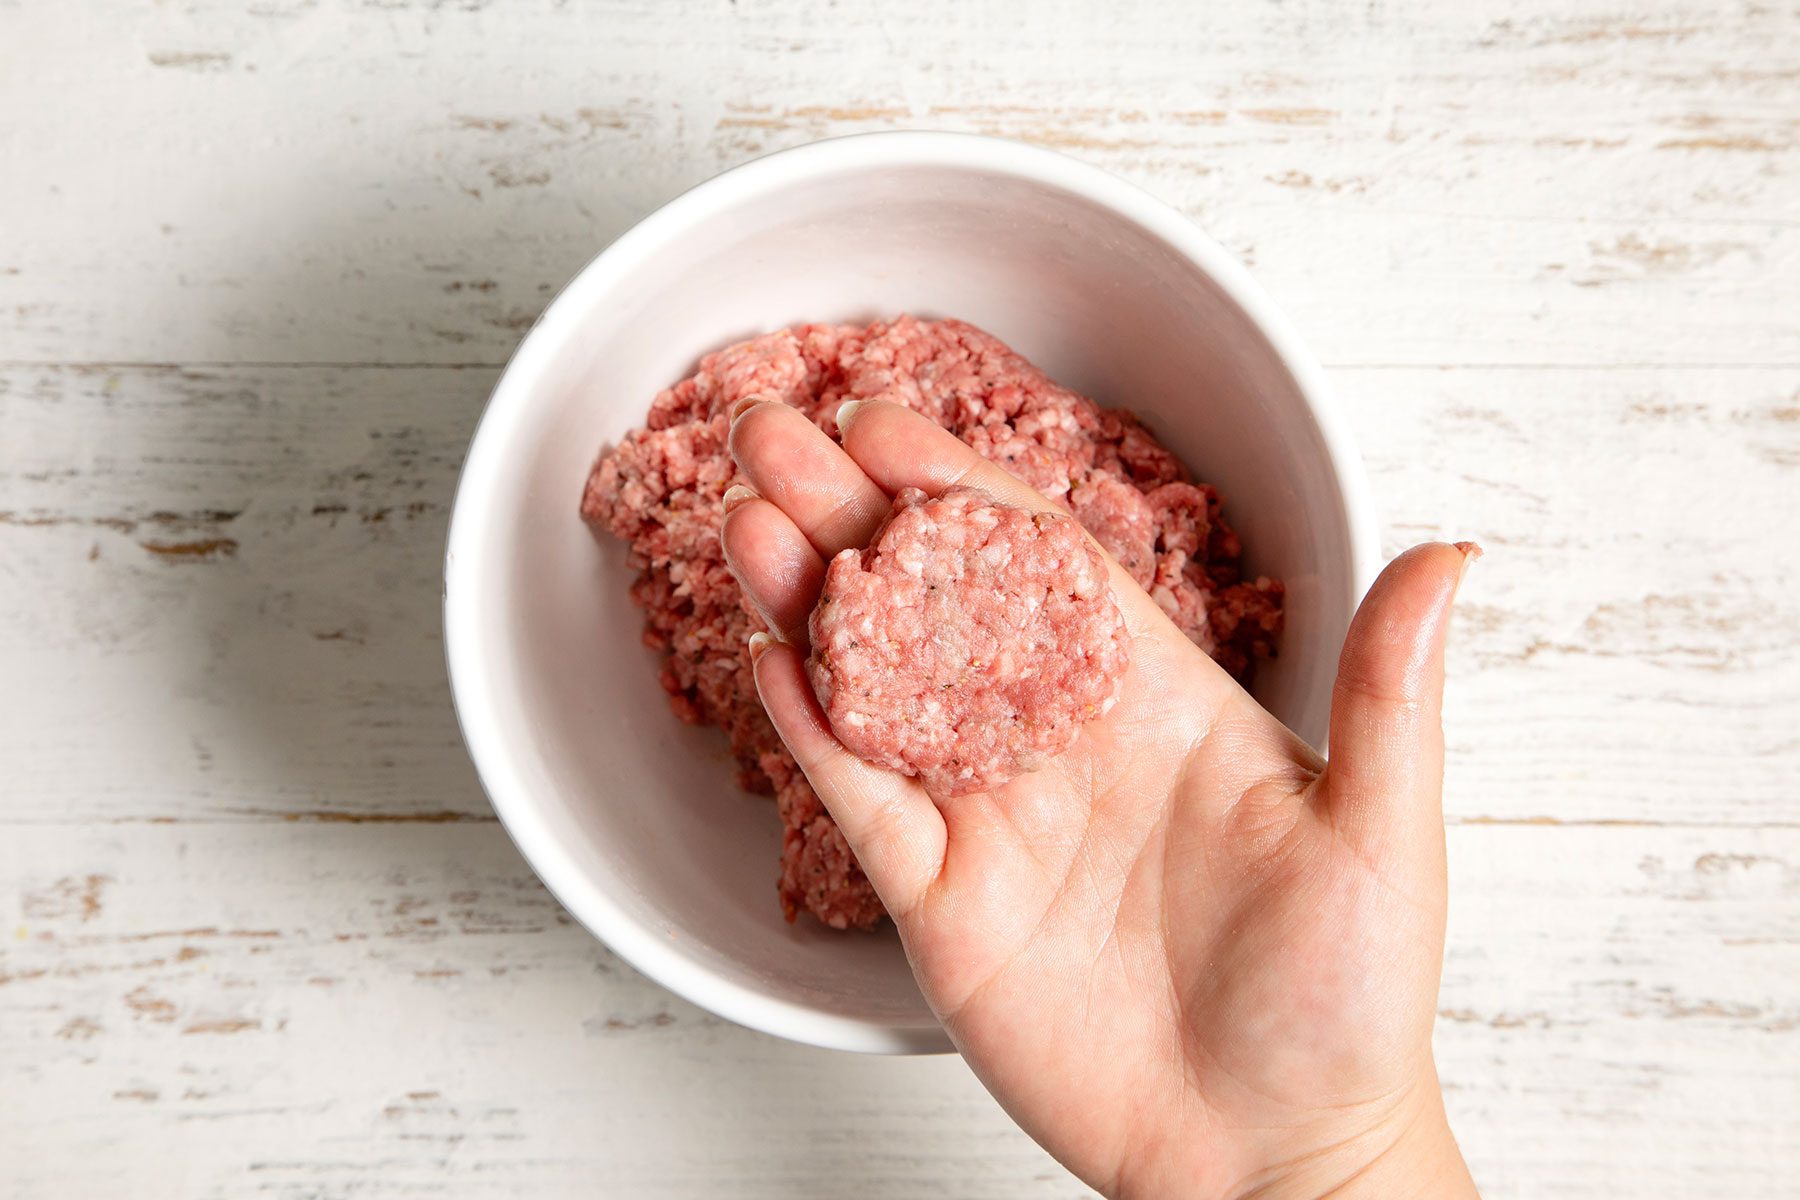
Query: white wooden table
x=260 y=264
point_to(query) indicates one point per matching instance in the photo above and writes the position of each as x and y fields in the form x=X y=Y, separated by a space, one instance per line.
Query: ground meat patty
x=659 y=490
x=968 y=643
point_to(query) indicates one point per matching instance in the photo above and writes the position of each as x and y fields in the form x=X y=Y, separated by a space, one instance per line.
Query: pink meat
x=968 y=643
x=660 y=489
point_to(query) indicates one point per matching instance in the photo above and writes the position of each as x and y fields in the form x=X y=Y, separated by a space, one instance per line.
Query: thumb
x=1385 y=777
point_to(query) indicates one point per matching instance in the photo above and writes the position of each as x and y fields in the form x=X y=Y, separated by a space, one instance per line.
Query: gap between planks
x=276 y=817
x=32 y=364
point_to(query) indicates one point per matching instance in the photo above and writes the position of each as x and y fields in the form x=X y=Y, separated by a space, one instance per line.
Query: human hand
x=1187 y=956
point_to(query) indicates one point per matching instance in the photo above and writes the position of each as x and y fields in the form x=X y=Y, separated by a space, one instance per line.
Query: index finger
x=898 y=448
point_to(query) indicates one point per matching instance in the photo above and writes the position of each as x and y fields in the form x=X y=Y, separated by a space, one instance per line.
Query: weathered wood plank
x=221 y=573
x=338 y=1010
x=1618 y=1016
x=1585 y=182
x=333 y=1009
x=235 y=576
x=1629 y=650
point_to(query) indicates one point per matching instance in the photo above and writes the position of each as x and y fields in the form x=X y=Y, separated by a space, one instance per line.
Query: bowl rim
x=666 y=961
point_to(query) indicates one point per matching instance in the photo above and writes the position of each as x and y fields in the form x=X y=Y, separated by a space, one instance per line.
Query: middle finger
x=794 y=465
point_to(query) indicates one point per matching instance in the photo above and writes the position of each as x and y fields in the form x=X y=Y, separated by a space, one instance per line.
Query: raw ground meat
x=660 y=490
x=969 y=642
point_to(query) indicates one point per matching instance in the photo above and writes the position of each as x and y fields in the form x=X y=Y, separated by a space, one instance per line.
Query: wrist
x=1398 y=1149
x=1409 y=1152
x=1423 y=1161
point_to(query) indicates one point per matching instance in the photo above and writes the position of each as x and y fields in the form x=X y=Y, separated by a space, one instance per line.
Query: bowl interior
x=633 y=818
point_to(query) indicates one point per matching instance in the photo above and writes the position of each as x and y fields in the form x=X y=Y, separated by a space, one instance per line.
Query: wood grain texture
x=1416 y=183
x=398 y=1010
x=240 y=593
x=259 y=265
x=402 y=1011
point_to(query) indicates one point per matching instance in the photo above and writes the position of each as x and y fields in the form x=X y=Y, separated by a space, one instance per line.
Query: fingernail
x=760 y=644
x=846 y=413
x=736 y=496
x=745 y=405
x=1470 y=552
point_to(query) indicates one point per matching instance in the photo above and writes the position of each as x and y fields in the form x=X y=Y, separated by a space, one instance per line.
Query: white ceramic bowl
x=631 y=818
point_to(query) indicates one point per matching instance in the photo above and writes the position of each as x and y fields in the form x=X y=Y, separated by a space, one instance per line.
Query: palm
x=1173 y=944
x=1046 y=946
